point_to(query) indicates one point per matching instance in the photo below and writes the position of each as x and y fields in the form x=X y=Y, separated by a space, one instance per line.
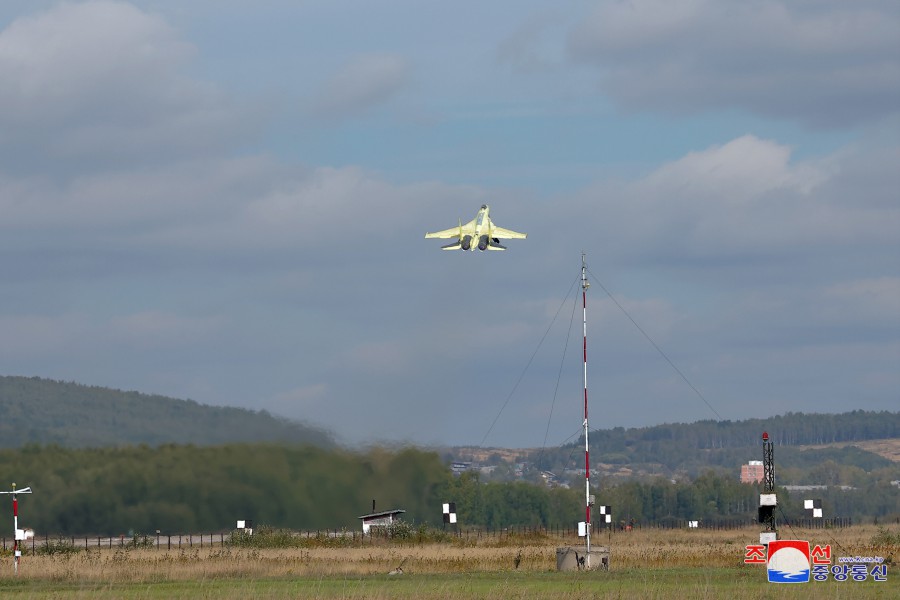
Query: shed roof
x=384 y=513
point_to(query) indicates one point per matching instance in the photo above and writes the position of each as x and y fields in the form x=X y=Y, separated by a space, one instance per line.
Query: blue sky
x=225 y=201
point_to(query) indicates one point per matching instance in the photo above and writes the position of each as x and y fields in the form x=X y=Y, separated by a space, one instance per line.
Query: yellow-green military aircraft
x=479 y=233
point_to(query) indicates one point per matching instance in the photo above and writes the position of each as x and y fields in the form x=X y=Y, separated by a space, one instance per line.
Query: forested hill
x=42 y=411
x=692 y=447
x=791 y=429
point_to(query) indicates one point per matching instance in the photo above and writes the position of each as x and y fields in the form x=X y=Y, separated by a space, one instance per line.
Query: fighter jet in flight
x=479 y=233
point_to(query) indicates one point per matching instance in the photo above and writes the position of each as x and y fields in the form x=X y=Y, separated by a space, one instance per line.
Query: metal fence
x=209 y=540
x=164 y=542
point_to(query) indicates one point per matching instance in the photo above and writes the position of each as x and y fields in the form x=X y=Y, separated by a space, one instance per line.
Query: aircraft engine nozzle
x=466 y=242
x=483 y=243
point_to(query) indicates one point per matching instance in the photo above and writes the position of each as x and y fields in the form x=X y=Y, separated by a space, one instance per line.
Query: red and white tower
x=587 y=463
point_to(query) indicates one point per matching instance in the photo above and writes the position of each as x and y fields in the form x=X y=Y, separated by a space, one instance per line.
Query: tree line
x=177 y=488
x=185 y=488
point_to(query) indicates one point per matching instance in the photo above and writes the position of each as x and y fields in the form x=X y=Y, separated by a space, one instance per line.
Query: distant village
x=510 y=465
x=506 y=464
x=520 y=469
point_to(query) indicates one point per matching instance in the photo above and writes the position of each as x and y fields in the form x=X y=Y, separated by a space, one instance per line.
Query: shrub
x=59 y=546
x=883 y=537
x=264 y=537
x=141 y=541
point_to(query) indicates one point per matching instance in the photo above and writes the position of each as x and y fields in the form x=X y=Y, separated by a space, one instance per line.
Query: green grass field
x=738 y=584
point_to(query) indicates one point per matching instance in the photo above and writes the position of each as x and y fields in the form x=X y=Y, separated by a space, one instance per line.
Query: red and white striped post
x=18 y=534
x=587 y=463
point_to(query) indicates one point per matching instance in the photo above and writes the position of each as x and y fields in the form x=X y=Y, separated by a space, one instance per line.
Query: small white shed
x=380 y=519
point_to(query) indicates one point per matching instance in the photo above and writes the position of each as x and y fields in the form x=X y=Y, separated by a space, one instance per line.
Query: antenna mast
x=587 y=464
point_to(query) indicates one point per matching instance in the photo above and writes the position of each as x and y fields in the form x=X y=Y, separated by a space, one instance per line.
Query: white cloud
x=361 y=84
x=828 y=64
x=157 y=329
x=59 y=59
x=746 y=198
x=735 y=172
x=147 y=250
x=379 y=357
x=75 y=338
x=529 y=49
x=40 y=335
x=874 y=301
x=299 y=400
x=103 y=81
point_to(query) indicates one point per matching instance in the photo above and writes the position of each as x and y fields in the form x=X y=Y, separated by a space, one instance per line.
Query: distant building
x=753 y=472
x=804 y=488
x=460 y=467
x=812 y=488
x=380 y=519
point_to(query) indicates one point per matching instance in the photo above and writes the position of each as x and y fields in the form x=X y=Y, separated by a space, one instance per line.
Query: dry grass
x=638 y=550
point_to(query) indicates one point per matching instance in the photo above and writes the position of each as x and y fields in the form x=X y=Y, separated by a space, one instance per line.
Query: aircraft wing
x=508 y=234
x=453 y=232
x=446 y=233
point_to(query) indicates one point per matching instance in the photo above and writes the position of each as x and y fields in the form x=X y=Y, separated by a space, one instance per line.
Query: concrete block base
x=575 y=558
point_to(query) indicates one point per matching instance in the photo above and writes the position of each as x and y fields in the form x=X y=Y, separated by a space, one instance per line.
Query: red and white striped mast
x=587 y=463
x=18 y=534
